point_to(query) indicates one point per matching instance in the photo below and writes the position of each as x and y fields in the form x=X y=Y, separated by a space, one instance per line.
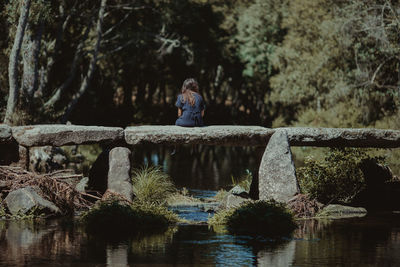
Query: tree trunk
x=92 y=65
x=13 y=64
x=30 y=58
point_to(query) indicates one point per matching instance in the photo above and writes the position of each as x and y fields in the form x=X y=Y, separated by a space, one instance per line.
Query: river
x=370 y=241
x=373 y=240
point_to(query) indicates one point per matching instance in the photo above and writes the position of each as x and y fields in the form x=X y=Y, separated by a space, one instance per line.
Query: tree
x=27 y=97
x=14 y=59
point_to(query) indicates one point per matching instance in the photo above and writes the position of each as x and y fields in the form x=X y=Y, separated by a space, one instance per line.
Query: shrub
x=267 y=218
x=336 y=178
x=151 y=185
x=113 y=217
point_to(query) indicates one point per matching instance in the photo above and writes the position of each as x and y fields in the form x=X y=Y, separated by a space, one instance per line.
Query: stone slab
x=5 y=134
x=343 y=137
x=60 y=135
x=277 y=175
x=223 y=135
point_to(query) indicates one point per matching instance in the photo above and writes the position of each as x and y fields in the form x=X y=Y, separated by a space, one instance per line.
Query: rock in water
x=232 y=201
x=239 y=191
x=119 y=180
x=277 y=174
x=26 y=199
x=340 y=211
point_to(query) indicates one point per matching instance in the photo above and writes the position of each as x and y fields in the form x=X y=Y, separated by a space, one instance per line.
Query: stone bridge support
x=119 y=179
x=277 y=174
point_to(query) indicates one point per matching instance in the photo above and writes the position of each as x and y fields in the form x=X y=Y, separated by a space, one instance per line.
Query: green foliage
x=32 y=214
x=243 y=181
x=258 y=34
x=221 y=217
x=221 y=194
x=152 y=185
x=113 y=217
x=300 y=62
x=267 y=218
x=336 y=178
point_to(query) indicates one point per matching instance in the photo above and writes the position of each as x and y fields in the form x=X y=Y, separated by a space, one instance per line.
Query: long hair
x=189 y=88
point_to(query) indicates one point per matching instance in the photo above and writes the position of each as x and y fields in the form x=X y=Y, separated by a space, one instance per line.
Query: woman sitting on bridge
x=190 y=105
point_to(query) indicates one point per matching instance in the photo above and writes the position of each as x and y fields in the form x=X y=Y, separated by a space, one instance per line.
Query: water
x=200 y=167
x=370 y=241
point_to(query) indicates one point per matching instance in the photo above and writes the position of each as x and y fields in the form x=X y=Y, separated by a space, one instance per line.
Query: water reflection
x=370 y=241
x=117 y=255
x=199 y=167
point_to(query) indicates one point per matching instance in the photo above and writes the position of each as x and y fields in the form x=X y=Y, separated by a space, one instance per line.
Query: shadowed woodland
x=271 y=63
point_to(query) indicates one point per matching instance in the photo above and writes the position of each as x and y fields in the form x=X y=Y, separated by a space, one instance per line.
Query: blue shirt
x=191 y=115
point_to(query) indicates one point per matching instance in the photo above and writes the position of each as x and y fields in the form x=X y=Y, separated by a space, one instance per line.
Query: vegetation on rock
x=336 y=178
x=268 y=218
x=112 y=216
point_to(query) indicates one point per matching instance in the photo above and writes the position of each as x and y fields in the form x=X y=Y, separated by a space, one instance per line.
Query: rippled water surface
x=369 y=241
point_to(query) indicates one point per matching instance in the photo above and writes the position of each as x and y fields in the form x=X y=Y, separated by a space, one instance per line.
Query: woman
x=190 y=105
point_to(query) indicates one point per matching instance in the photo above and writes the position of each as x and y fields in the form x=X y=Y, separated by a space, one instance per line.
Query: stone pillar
x=23 y=157
x=277 y=174
x=119 y=180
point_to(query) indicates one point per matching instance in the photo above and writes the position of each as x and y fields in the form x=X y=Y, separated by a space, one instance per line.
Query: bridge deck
x=59 y=135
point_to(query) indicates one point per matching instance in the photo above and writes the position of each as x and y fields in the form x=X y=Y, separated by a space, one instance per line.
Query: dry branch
x=52 y=185
x=303 y=206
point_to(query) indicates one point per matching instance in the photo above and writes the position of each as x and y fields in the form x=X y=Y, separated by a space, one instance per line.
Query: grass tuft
x=151 y=185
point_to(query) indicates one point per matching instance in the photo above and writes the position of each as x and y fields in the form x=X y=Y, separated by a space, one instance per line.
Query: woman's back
x=191 y=115
x=190 y=105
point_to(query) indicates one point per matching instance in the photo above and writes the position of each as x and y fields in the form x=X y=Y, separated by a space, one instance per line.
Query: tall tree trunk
x=30 y=58
x=13 y=64
x=92 y=65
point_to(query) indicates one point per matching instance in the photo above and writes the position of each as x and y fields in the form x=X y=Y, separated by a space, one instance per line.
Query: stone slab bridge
x=276 y=177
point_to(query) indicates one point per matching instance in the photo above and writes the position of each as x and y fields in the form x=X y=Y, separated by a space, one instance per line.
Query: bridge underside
x=277 y=177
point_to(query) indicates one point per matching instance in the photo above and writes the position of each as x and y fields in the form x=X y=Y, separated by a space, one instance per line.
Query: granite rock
x=119 y=179
x=60 y=135
x=24 y=200
x=277 y=174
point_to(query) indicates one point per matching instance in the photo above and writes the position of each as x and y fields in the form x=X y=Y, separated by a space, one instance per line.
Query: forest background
x=325 y=63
